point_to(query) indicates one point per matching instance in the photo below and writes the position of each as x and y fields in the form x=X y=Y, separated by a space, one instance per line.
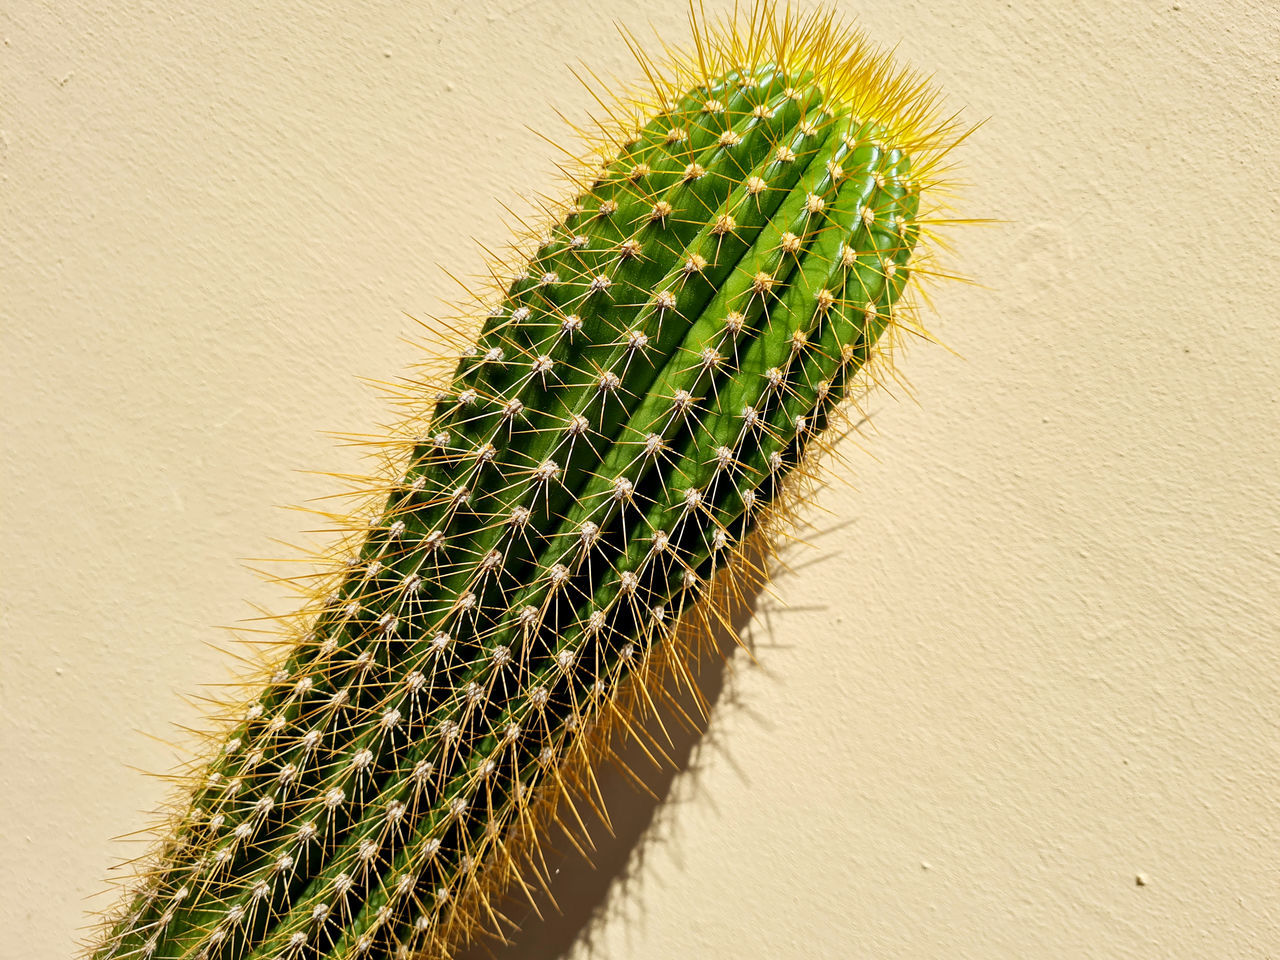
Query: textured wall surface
x=1019 y=698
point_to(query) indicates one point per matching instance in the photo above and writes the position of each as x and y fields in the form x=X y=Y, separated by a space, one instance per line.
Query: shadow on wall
x=580 y=890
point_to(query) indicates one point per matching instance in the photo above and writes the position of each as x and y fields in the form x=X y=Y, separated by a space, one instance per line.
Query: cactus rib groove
x=565 y=508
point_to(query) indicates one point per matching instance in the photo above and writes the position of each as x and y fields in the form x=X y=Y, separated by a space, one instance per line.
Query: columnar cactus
x=643 y=392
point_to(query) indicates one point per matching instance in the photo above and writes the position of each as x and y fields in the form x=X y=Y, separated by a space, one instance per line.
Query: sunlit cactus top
x=654 y=374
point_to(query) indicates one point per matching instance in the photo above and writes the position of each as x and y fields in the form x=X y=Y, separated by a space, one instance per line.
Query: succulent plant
x=645 y=392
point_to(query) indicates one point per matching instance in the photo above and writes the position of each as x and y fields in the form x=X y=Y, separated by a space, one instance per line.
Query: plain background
x=1031 y=654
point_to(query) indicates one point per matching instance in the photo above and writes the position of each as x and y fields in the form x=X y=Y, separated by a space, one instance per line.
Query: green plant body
x=663 y=366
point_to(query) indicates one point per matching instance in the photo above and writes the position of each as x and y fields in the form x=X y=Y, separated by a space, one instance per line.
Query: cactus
x=564 y=508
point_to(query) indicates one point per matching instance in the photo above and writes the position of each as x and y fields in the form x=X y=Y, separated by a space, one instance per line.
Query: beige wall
x=1032 y=654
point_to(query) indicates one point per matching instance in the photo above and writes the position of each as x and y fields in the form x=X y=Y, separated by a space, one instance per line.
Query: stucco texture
x=1017 y=698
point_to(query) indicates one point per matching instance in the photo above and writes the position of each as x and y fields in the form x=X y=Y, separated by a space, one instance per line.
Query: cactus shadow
x=583 y=893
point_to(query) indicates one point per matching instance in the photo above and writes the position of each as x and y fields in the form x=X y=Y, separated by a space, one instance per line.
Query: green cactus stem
x=662 y=367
